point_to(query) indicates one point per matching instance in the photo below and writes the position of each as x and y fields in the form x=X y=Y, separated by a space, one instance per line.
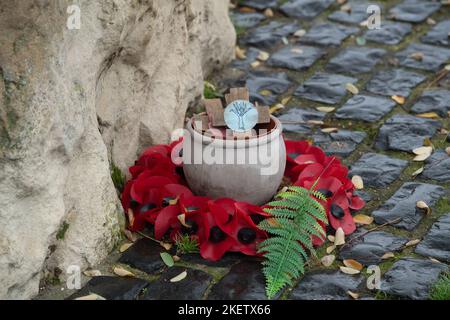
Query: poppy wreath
x=158 y=195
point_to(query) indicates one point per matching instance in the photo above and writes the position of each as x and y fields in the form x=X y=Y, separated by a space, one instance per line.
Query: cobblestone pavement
x=316 y=48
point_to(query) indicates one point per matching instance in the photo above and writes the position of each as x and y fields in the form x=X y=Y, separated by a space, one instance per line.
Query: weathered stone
x=112 y=288
x=259 y=4
x=327 y=285
x=369 y=249
x=437 y=166
x=266 y=87
x=85 y=97
x=305 y=9
x=411 y=278
x=324 y=87
x=247 y=20
x=250 y=56
x=295 y=57
x=327 y=34
x=394 y=82
x=436 y=243
x=378 y=170
x=390 y=33
x=192 y=287
x=269 y=35
x=414 y=10
x=437 y=100
x=405 y=132
x=245 y=281
x=445 y=82
x=356 y=15
x=366 y=108
x=432 y=57
x=226 y=261
x=341 y=143
x=355 y=60
x=403 y=204
x=439 y=34
x=301 y=115
x=144 y=255
x=365 y=195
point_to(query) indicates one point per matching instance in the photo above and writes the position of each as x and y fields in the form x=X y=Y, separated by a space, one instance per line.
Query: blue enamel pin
x=241 y=116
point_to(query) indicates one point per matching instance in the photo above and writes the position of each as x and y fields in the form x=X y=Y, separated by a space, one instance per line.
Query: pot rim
x=237 y=143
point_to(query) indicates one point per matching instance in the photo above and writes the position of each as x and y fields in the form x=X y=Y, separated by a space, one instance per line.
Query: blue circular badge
x=241 y=115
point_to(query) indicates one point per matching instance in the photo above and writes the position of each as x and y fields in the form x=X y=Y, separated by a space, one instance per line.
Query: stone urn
x=246 y=169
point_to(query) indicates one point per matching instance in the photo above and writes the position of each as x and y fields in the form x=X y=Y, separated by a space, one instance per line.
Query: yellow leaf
x=350 y=263
x=330 y=238
x=358 y=182
x=329 y=130
x=339 y=237
x=268 y=13
x=447 y=150
x=422 y=205
x=417 y=56
x=92 y=273
x=348 y=270
x=422 y=157
x=265 y=92
x=352 y=88
x=165 y=245
x=362 y=219
x=299 y=33
x=353 y=295
x=263 y=56
x=130 y=216
x=398 y=99
x=412 y=243
x=130 y=235
x=330 y=249
x=255 y=64
x=182 y=219
x=125 y=247
x=121 y=272
x=325 y=109
x=434 y=260
x=91 y=296
x=315 y=122
x=276 y=108
x=297 y=50
x=179 y=277
x=240 y=53
x=428 y=115
x=328 y=260
x=422 y=150
x=417 y=172
x=286 y=100
x=387 y=255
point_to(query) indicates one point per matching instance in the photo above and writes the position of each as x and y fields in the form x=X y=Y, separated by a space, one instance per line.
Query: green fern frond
x=294 y=219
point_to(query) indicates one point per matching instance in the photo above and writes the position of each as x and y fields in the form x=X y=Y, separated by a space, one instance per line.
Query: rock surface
x=366 y=108
x=71 y=100
x=438 y=166
x=436 y=243
x=408 y=280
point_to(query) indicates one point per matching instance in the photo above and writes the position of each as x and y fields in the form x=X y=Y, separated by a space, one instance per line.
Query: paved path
x=376 y=135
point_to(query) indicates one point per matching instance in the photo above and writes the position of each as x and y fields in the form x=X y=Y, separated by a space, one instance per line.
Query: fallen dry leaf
x=346 y=8
x=329 y=130
x=422 y=150
x=263 y=56
x=348 y=270
x=387 y=255
x=315 y=122
x=130 y=235
x=92 y=273
x=247 y=10
x=417 y=56
x=428 y=115
x=434 y=260
x=325 y=109
x=398 y=99
x=350 y=263
x=240 y=53
x=176 y=258
x=165 y=245
x=417 y=172
x=412 y=243
x=352 y=88
x=330 y=238
x=286 y=100
x=328 y=260
x=447 y=150
x=431 y=21
x=179 y=277
x=276 y=108
x=363 y=219
x=121 y=272
x=339 y=237
x=265 y=92
x=91 y=296
x=421 y=157
x=125 y=247
x=182 y=219
x=130 y=217
x=354 y=295
x=422 y=205
x=255 y=64
x=358 y=182
x=268 y=13
x=300 y=33
x=297 y=50
x=330 y=249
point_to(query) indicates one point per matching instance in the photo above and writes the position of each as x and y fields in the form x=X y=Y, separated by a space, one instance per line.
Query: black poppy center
x=134 y=204
x=337 y=211
x=246 y=235
x=293 y=155
x=148 y=206
x=256 y=218
x=216 y=235
x=326 y=193
x=192 y=229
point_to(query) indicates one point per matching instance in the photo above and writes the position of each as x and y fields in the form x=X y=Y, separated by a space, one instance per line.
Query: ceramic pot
x=248 y=169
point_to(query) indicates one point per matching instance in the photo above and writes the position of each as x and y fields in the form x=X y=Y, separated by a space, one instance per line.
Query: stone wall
x=72 y=102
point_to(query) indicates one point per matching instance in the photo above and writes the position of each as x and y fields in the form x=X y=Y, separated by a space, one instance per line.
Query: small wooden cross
x=215 y=110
